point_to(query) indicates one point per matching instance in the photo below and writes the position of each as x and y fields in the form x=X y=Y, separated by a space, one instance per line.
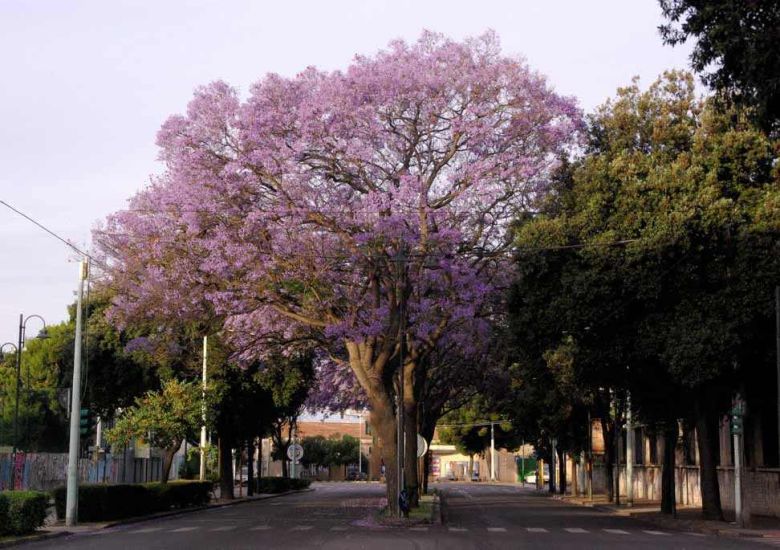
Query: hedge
x=22 y=512
x=99 y=502
x=280 y=484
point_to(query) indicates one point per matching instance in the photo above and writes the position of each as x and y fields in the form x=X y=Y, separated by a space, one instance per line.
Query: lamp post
x=22 y=333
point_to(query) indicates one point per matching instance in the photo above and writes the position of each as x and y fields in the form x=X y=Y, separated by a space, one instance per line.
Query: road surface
x=334 y=516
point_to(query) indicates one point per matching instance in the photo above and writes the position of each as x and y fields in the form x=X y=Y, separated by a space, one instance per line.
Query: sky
x=85 y=85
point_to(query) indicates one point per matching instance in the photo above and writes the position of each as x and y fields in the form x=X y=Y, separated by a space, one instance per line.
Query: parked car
x=531 y=478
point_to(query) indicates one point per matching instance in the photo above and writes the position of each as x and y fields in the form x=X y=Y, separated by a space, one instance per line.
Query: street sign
x=422 y=446
x=295 y=452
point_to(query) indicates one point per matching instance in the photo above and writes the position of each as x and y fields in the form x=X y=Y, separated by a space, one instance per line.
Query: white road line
x=224 y=528
x=338 y=528
x=418 y=528
x=458 y=529
x=616 y=531
x=184 y=529
x=147 y=530
x=301 y=528
x=497 y=529
x=655 y=532
x=695 y=534
x=536 y=529
x=260 y=528
x=576 y=530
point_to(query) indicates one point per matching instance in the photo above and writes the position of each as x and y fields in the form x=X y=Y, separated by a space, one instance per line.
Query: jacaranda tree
x=339 y=206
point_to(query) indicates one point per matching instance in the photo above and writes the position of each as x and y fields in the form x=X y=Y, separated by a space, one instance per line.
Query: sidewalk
x=689 y=518
x=59 y=529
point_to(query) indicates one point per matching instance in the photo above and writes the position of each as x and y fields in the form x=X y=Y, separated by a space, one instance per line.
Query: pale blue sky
x=84 y=86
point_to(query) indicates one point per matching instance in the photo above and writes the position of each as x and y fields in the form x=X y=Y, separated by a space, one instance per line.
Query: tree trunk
x=168 y=455
x=609 y=456
x=668 y=496
x=561 y=471
x=383 y=421
x=410 y=428
x=706 y=435
x=426 y=471
x=237 y=470
x=250 y=462
x=226 y=469
x=551 y=467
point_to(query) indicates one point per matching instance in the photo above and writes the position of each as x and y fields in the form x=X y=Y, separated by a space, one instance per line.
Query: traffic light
x=86 y=422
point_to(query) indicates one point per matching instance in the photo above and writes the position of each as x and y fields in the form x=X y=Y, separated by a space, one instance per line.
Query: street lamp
x=19 y=347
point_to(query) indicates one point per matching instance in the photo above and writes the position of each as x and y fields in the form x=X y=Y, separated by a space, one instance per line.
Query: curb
x=668 y=523
x=33 y=538
x=140 y=519
x=234 y=502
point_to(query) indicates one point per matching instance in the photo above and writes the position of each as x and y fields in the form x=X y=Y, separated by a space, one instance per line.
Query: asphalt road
x=335 y=515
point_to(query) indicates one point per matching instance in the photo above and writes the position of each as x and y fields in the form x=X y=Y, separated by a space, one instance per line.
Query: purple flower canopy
x=315 y=208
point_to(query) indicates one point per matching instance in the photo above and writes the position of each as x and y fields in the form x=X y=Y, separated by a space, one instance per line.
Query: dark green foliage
x=737 y=49
x=319 y=451
x=22 y=512
x=109 y=502
x=273 y=485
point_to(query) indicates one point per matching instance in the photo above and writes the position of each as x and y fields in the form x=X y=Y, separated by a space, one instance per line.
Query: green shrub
x=22 y=512
x=274 y=485
x=100 y=502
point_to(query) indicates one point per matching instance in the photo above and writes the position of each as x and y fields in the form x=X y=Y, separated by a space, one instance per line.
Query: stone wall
x=762 y=486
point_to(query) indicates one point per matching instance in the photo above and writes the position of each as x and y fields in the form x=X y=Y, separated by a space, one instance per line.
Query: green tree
x=163 y=419
x=737 y=49
x=667 y=254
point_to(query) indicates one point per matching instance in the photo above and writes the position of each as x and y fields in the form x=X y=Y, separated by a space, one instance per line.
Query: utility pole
x=629 y=454
x=736 y=430
x=203 y=411
x=492 y=452
x=401 y=433
x=72 y=495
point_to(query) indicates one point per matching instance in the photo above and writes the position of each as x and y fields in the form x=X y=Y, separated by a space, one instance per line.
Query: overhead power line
x=52 y=233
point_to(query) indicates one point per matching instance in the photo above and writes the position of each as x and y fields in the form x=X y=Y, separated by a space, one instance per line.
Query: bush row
x=22 y=512
x=280 y=484
x=100 y=502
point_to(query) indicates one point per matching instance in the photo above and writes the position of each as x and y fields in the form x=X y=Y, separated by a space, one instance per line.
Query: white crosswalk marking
x=576 y=530
x=184 y=529
x=418 y=528
x=260 y=528
x=338 y=528
x=497 y=529
x=224 y=528
x=458 y=529
x=536 y=530
x=301 y=528
x=147 y=530
x=655 y=533
x=616 y=531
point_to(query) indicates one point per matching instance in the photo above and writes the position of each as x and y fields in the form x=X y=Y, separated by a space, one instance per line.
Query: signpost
x=422 y=446
x=294 y=453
